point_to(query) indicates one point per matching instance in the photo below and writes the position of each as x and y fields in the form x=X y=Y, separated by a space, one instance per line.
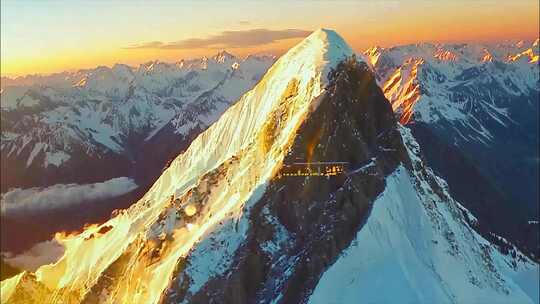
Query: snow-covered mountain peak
x=316 y=54
x=331 y=45
x=247 y=144
x=223 y=56
x=293 y=82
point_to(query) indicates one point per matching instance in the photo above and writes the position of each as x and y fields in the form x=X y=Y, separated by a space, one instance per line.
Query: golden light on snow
x=312 y=143
x=190 y=210
x=190 y=226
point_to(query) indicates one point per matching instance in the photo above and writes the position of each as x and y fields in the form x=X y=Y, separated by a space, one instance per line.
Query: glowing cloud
x=43 y=253
x=227 y=39
x=62 y=195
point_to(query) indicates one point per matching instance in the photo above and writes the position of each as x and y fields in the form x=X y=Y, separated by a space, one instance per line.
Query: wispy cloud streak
x=227 y=39
x=43 y=253
x=62 y=195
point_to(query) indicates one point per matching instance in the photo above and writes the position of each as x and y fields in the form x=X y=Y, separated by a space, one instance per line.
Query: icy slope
x=415 y=248
x=131 y=262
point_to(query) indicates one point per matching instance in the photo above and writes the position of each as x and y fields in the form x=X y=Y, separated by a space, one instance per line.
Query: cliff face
x=301 y=224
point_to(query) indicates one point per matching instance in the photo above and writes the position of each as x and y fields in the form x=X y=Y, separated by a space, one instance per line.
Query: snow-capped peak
x=319 y=52
x=305 y=67
x=251 y=139
x=223 y=56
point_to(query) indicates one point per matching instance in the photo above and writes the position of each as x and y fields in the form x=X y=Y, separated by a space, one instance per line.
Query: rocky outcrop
x=353 y=123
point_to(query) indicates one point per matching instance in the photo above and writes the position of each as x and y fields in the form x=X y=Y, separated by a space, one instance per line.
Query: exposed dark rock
x=353 y=123
x=494 y=209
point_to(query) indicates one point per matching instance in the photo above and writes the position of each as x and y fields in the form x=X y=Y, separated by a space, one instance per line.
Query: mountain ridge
x=474 y=109
x=104 y=112
x=227 y=175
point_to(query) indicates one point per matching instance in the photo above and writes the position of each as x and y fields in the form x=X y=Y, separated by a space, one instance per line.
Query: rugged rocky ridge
x=319 y=215
x=474 y=110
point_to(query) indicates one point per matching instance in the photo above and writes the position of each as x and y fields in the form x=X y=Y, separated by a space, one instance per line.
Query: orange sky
x=39 y=37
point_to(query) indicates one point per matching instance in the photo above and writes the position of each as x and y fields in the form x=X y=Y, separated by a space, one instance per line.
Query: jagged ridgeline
x=474 y=110
x=220 y=226
x=301 y=224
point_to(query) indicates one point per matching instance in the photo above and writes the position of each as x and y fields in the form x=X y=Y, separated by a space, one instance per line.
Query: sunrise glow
x=321 y=151
x=77 y=34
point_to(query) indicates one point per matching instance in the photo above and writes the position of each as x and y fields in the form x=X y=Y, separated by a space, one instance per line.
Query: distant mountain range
x=93 y=125
x=475 y=111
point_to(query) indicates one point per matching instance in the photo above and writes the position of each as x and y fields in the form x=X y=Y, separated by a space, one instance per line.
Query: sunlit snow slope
x=147 y=241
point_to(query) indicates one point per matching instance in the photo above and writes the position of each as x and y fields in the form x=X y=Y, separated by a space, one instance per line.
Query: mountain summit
x=230 y=222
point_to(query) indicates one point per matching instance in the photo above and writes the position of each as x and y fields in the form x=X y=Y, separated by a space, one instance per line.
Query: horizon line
x=277 y=54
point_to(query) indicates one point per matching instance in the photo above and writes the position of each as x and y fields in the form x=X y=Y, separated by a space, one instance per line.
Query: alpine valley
x=226 y=222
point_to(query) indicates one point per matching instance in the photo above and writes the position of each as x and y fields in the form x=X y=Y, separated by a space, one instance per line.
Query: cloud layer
x=227 y=39
x=42 y=253
x=62 y=195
